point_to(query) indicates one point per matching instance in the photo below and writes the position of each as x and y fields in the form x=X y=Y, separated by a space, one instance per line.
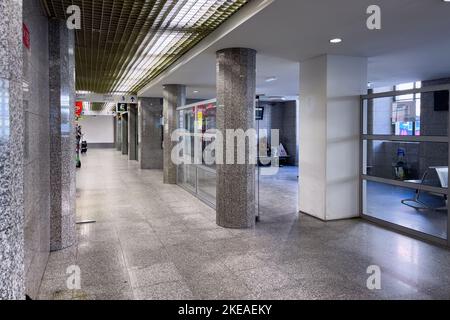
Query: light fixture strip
x=157 y=32
x=151 y=59
x=144 y=63
x=150 y=39
x=159 y=10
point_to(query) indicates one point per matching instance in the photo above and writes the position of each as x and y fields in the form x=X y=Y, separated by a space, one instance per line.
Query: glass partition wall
x=405 y=156
x=200 y=179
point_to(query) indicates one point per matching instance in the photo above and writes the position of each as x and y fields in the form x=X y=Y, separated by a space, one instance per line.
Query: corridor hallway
x=155 y=241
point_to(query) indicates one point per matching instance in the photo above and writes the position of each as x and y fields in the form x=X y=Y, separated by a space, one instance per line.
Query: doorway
x=278 y=188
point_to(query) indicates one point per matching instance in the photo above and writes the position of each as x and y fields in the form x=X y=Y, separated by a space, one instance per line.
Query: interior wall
x=98 y=130
x=329 y=135
x=346 y=82
x=36 y=146
x=282 y=116
x=313 y=144
x=288 y=132
x=433 y=123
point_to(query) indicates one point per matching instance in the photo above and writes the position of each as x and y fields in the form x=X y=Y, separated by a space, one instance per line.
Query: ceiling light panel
x=125 y=44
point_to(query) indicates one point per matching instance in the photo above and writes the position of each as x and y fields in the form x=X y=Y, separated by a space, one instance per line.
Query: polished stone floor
x=154 y=241
x=278 y=195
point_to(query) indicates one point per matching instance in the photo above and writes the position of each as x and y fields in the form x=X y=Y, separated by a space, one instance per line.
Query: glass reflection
x=65 y=115
x=405 y=115
x=416 y=162
x=4 y=110
x=395 y=205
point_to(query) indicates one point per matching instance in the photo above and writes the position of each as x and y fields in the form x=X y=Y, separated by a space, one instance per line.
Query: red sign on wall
x=26 y=36
x=78 y=108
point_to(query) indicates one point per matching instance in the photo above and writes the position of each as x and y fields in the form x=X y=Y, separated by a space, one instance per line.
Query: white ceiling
x=413 y=43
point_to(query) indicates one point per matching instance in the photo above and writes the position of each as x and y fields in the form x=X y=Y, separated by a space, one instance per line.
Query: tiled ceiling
x=124 y=44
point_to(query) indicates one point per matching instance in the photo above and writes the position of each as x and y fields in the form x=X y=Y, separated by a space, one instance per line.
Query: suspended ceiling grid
x=124 y=44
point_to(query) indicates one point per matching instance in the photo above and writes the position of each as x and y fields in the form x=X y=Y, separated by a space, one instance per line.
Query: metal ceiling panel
x=125 y=44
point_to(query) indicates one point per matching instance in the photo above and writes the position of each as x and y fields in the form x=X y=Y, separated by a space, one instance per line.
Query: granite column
x=236 y=93
x=132 y=132
x=124 y=132
x=174 y=97
x=119 y=132
x=150 y=133
x=12 y=272
x=62 y=136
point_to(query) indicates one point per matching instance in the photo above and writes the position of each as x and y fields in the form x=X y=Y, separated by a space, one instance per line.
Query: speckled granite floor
x=153 y=241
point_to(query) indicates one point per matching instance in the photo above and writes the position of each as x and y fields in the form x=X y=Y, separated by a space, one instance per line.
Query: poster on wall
x=78 y=108
x=200 y=119
x=403 y=111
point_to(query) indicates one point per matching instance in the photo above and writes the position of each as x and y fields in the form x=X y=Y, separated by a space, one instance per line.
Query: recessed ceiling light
x=196 y=91
x=336 y=40
x=271 y=79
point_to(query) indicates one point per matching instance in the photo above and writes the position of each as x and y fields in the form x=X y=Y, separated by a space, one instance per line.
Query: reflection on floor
x=155 y=241
x=384 y=202
x=278 y=199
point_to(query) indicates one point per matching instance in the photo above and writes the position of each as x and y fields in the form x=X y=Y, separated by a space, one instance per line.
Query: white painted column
x=330 y=89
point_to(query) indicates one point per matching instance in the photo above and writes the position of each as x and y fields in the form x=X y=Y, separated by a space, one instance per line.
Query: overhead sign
x=122 y=107
x=99 y=113
x=106 y=98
